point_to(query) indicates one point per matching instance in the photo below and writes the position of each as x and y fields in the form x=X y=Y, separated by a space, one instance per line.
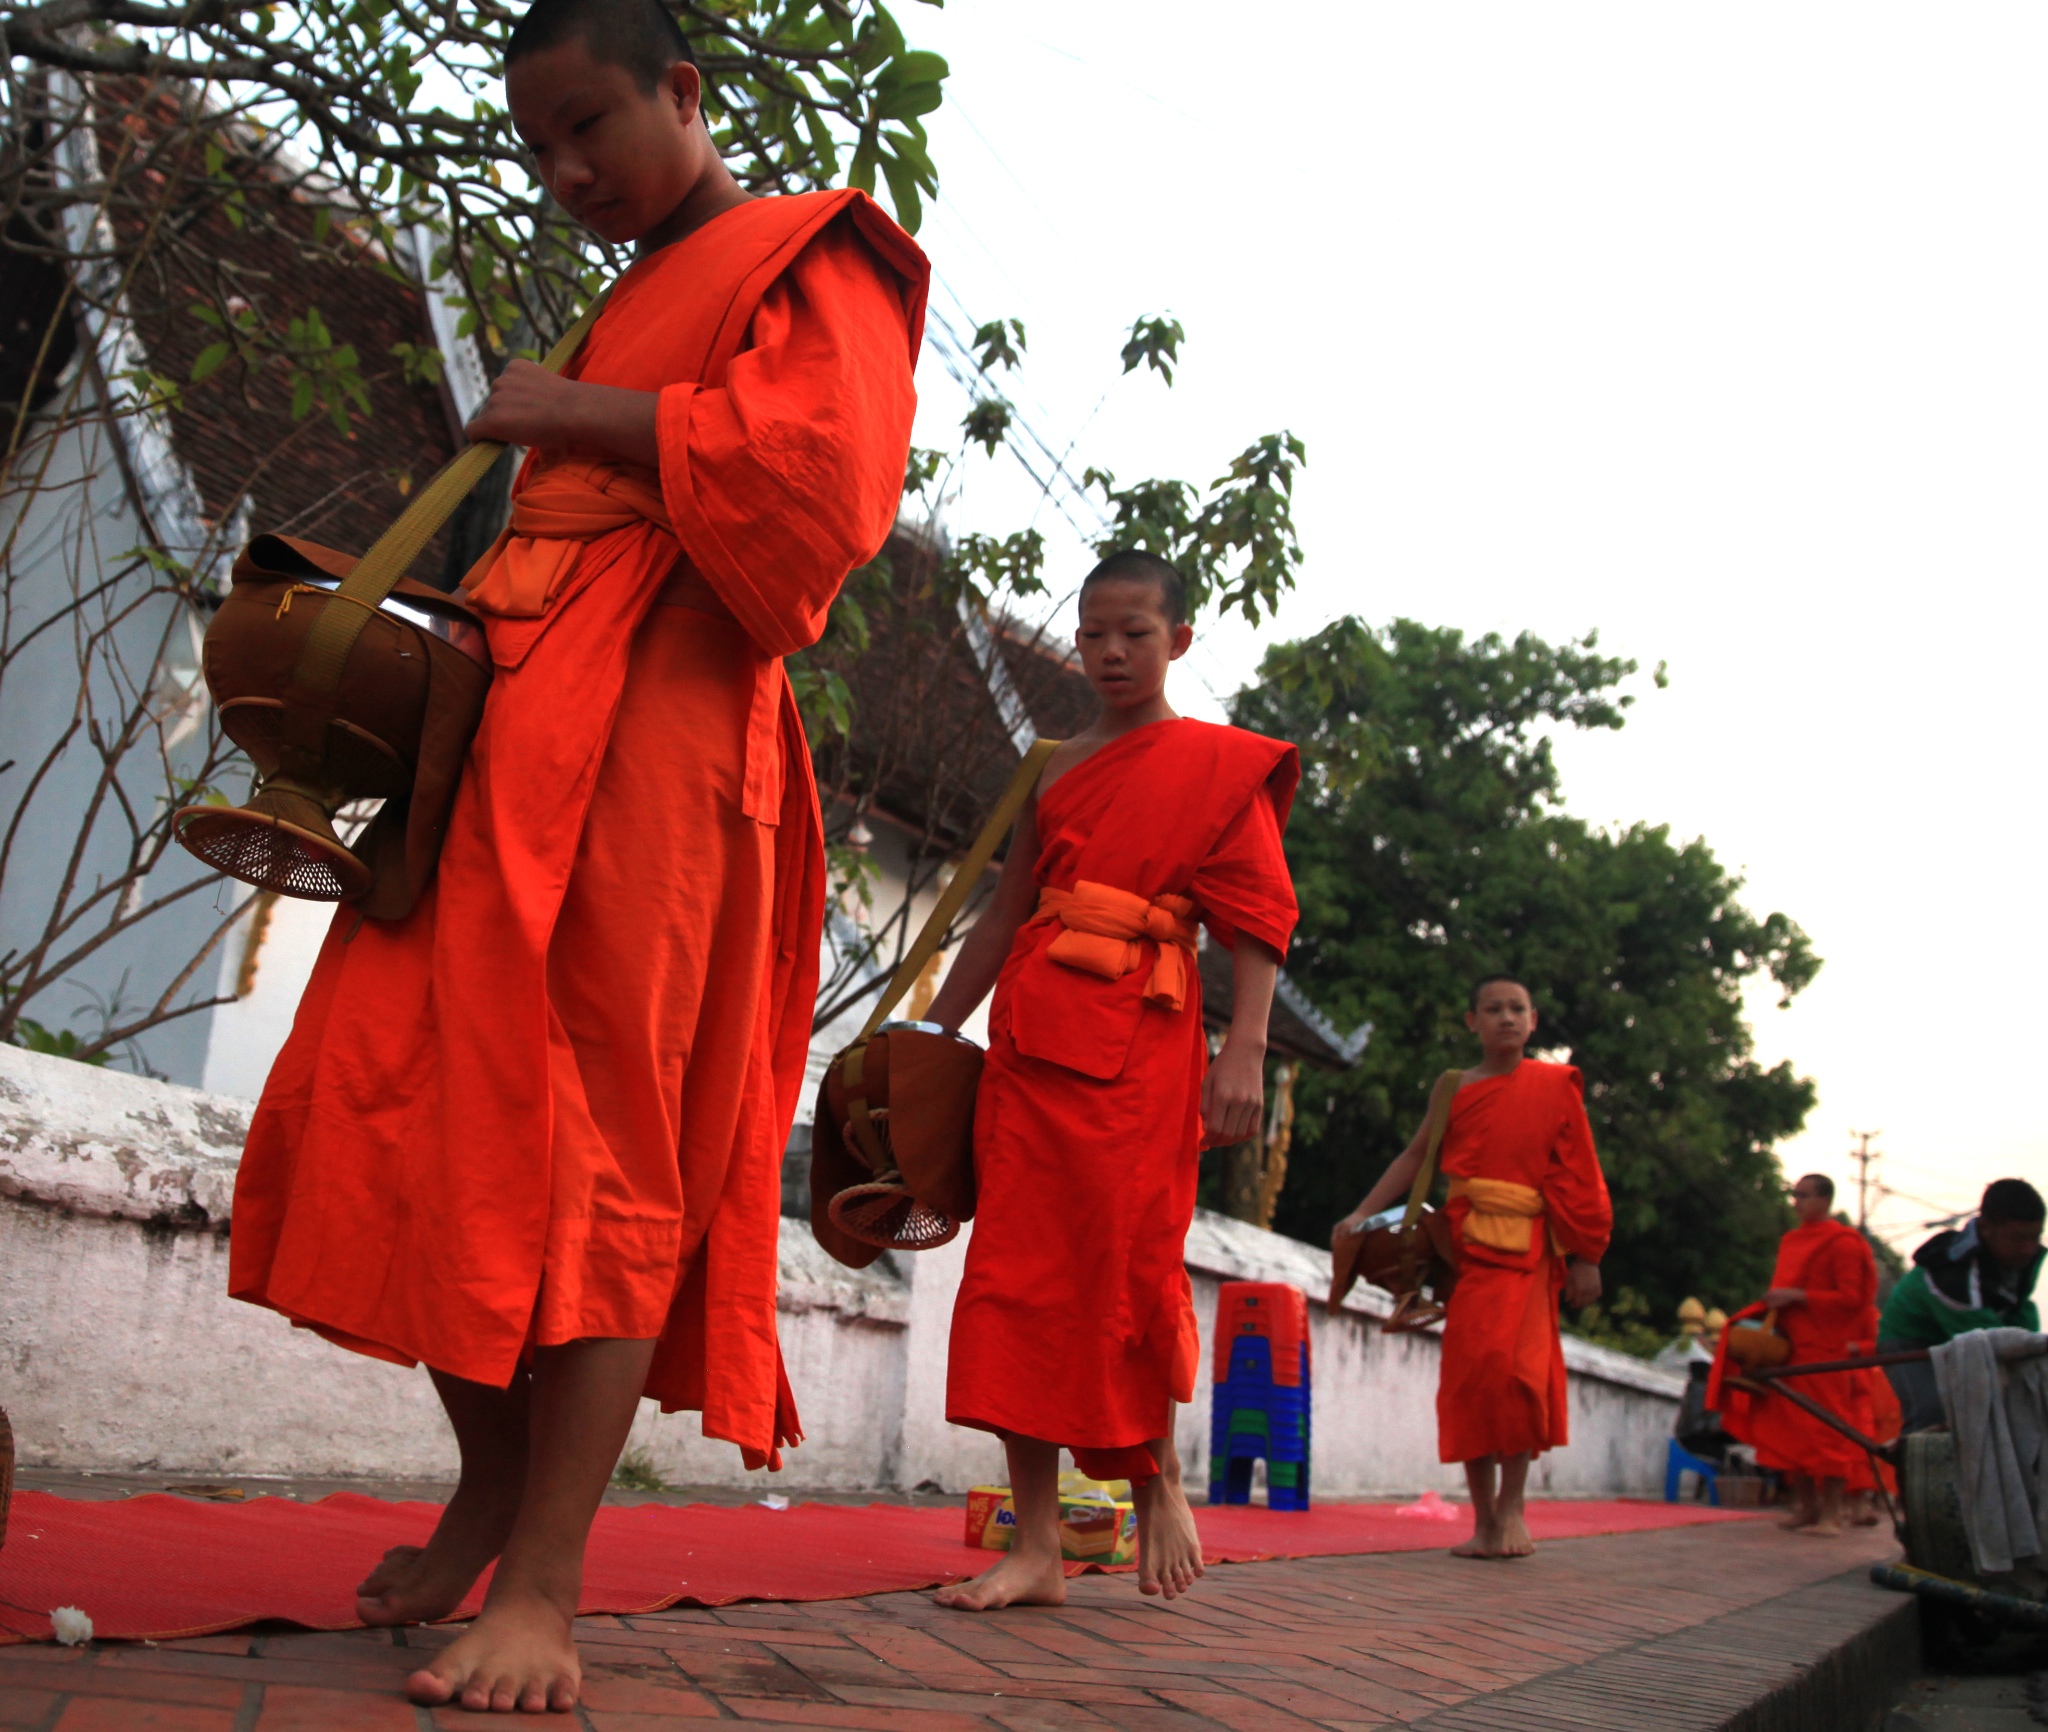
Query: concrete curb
x=1831 y=1657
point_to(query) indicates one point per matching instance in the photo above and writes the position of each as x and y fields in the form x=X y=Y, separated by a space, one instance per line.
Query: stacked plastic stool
x=1260 y=1401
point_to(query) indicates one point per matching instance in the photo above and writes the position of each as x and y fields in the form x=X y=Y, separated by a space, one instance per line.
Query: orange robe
x=1502 y=1389
x=1830 y=1262
x=1075 y=1322
x=551 y=1103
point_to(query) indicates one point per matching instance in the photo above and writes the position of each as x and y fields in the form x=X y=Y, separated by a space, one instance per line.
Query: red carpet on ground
x=161 y=1566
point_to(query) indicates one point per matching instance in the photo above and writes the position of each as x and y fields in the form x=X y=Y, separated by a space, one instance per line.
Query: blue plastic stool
x=1678 y=1462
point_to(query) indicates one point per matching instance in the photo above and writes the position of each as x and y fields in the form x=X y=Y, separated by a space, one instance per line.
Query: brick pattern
x=1708 y=1624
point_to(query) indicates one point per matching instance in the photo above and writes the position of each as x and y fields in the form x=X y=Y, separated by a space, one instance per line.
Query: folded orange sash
x=564 y=506
x=1108 y=929
x=1504 y=1214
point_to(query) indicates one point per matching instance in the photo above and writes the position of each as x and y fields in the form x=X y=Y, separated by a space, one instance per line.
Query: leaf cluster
x=1429 y=847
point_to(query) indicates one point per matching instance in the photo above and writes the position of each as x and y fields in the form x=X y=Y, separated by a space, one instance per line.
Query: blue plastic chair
x=1678 y=1462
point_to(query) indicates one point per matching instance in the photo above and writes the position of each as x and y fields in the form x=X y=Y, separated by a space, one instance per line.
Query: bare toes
x=429 y=1689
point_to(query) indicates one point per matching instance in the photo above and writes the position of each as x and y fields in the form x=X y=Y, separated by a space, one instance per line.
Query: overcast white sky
x=1720 y=329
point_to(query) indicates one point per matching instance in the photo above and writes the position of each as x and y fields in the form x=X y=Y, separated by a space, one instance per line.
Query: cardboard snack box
x=1093 y=1530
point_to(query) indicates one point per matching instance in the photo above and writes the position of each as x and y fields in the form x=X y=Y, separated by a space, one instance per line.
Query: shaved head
x=1133 y=566
x=1485 y=981
x=639 y=36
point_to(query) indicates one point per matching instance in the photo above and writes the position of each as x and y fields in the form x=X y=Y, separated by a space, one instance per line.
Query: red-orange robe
x=1502 y=1389
x=1075 y=1322
x=551 y=1103
x=1830 y=1262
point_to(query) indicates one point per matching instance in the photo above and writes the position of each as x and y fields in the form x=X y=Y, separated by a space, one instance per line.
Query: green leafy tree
x=1429 y=847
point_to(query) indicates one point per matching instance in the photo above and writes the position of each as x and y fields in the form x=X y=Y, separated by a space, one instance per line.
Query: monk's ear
x=1472 y=1021
x=683 y=85
x=1183 y=637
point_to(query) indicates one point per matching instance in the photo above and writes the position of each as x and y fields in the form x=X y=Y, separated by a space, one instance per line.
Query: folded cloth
x=1107 y=930
x=1994 y=1383
x=1503 y=1212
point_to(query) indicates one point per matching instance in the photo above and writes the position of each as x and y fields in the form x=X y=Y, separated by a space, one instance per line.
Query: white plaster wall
x=119 y=1348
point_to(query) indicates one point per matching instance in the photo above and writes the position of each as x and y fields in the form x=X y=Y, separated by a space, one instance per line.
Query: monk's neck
x=1114 y=724
x=715 y=193
x=1499 y=1063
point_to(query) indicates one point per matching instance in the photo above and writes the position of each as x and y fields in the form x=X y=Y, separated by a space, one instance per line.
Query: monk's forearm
x=973 y=974
x=1393 y=1184
x=616 y=421
x=530 y=406
x=1254 y=972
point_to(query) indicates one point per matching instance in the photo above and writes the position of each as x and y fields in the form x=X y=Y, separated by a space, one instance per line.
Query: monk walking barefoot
x=1530 y=1212
x=531 y=1134
x=1824 y=1293
x=1169 y=1549
x=1075 y=1323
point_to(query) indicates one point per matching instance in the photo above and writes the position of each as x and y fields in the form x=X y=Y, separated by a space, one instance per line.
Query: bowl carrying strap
x=961 y=886
x=334 y=634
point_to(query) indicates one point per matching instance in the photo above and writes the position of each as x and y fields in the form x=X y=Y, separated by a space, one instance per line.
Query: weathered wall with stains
x=119 y=1348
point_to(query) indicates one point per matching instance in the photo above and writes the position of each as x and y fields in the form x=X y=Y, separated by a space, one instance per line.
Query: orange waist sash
x=1108 y=929
x=563 y=506
x=1504 y=1214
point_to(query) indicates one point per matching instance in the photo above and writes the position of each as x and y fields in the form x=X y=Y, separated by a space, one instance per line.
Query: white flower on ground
x=775 y=1500
x=71 y=1626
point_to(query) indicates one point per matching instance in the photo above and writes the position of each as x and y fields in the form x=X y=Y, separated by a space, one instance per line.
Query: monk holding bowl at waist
x=1824 y=1290
x=1529 y=1208
x=531 y=1135
x=1075 y=1323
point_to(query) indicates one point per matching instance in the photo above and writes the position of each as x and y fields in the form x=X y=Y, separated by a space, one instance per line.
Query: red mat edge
x=1703 y=1515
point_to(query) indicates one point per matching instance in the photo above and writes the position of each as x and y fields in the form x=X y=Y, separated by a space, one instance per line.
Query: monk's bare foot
x=1169 y=1549
x=417 y=1584
x=518 y=1655
x=1798 y=1520
x=1821 y=1530
x=1515 y=1538
x=1015 y=1580
x=1485 y=1542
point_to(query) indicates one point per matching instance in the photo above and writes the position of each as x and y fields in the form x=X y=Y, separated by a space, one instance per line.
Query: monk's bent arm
x=987 y=945
x=530 y=406
x=1394 y=1183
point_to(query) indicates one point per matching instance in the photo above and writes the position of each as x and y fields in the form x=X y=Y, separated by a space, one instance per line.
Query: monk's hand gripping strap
x=334 y=634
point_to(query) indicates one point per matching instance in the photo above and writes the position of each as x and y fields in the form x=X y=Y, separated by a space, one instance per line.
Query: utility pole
x=1863 y=1155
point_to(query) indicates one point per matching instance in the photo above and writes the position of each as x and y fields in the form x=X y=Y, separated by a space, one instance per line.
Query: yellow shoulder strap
x=1436 y=1124
x=334 y=634
x=965 y=877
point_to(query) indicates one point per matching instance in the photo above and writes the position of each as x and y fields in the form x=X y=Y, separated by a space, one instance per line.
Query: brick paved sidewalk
x=1683 y=1628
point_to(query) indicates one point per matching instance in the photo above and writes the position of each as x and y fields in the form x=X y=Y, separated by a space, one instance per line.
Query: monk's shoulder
x=1237 y=756
x=1561 y=1080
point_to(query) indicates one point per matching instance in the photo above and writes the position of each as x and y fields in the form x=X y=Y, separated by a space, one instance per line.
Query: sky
x=1721 y=331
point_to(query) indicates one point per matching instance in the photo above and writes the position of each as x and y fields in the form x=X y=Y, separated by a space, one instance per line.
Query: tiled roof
x=235 y=430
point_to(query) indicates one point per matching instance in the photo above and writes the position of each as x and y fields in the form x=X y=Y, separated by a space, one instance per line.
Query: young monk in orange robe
x=532 y=1134
x=1075 y=1322
x=1529 y=1208
x=1823 y=1289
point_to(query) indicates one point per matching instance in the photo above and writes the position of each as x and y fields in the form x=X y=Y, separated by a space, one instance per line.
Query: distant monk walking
x=1824 y=1291
x=1530 y=1212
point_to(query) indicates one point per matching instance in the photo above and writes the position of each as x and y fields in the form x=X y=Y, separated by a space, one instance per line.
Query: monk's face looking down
x=1127 y=642
x=617 y=158
x=1504 y=1019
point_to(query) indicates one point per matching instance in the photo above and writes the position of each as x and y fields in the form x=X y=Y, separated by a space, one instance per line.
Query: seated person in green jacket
x=1978 y=1277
